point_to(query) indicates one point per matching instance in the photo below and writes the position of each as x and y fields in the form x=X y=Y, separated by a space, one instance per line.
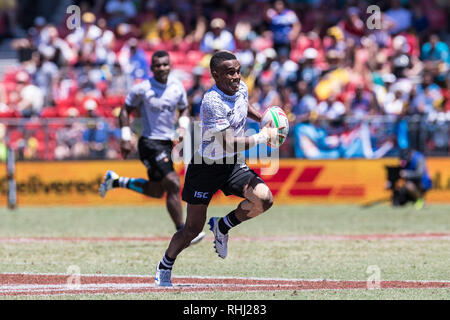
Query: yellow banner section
x=295 y=182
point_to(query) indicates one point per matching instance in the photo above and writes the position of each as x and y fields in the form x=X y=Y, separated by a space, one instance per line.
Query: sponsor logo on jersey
x=230 y=113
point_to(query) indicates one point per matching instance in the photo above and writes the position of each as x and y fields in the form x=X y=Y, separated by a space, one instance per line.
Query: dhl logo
x=302 y=182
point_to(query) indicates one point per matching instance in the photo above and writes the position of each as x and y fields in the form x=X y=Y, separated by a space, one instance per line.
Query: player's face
x=161 y=68
x=228 y=76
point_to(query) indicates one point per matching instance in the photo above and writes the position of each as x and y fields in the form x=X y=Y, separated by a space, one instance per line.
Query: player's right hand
x=125 y=148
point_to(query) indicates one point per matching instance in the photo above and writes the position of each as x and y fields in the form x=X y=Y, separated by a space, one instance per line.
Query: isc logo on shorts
x=201 y=195
x=161 y=156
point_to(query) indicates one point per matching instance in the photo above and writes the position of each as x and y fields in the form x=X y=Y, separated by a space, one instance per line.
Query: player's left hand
x=272 y=132
x=181 y=132
x=179 y=135
x=125 y=148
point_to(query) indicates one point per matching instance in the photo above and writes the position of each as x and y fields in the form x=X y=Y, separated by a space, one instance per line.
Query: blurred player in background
x=415 y=173
x=218 y=163
x=157 y=100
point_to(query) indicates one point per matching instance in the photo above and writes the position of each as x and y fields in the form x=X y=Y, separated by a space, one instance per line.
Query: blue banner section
x=361 y=141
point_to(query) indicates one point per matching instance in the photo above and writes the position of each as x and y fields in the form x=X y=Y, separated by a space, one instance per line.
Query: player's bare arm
x=230 y=143
x=124 y=123
x=253 y=113
x=183 y=123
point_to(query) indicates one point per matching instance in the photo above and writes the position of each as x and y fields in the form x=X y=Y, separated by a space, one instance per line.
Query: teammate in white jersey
x=157 y=100
x=217 y=164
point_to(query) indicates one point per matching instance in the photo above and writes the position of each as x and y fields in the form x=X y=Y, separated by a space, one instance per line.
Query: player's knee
x=190 y=232
x=153 y=191
x=264 y=200
x=267 y=202
x=172 y=185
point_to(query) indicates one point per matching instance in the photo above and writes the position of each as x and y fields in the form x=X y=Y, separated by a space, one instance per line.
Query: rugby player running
x=156 y=99
x=219 y=164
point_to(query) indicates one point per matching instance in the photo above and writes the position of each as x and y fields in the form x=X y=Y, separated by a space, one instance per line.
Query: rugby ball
x=276 y=117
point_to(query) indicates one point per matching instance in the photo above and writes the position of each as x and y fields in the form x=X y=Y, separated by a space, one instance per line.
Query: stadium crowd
x=321 y=60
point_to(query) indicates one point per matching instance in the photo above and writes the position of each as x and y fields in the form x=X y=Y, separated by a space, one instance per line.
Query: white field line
x=127 y=288
x=95 y=286
x=151 y=277
x=36 y=289
x=68 y=294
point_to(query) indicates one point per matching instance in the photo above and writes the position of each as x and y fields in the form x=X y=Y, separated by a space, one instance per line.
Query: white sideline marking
x=33 y=289
x=151 y=277
x=95 y=286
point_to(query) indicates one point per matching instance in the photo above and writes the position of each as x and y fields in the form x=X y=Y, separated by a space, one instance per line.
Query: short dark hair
x=160 y=54
x=219 y=57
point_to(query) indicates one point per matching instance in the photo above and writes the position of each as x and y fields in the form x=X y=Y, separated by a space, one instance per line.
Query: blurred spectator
x=197 y=25
x=266 y=95
x=195 y=93
x=104 y=44
x=83 y=39
x=419 y=19
x=119 y=83
x=307 y=71
x=70 y=139
x=37 y=31
x=286 y=70
x=97 y=131
x=27 y=45
x=395 y=103
x=306 y=103
x=8 y=19
x=419 y=103
x=88 y=77
x=331 y=108
x=218 y=38
x=149 y=27
x=401 y=60
x=400 y=17
x=382 y=36
x=336 y=37
x=56 y=49
x=170 y=29
x=436 y=56
x=284 y=25
x=435 y=50
x=44 y=76
x=334 y=78
x=266 y=63
x=246 y=55
x=27 y=98
x=119 y=11
x=427 y=95
x=352 y=25
x=133 y=60
x=361 y=103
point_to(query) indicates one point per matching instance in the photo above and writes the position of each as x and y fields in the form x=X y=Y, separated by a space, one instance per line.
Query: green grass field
x=397 y=259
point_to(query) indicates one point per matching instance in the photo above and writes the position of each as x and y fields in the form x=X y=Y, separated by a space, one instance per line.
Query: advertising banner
x=350 y=181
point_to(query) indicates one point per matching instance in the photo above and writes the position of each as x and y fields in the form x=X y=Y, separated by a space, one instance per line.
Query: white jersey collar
x=225 y=96
x=158 y=84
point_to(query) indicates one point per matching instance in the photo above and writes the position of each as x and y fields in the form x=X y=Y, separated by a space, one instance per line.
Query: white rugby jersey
x=218 y=112
x=157 y=103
